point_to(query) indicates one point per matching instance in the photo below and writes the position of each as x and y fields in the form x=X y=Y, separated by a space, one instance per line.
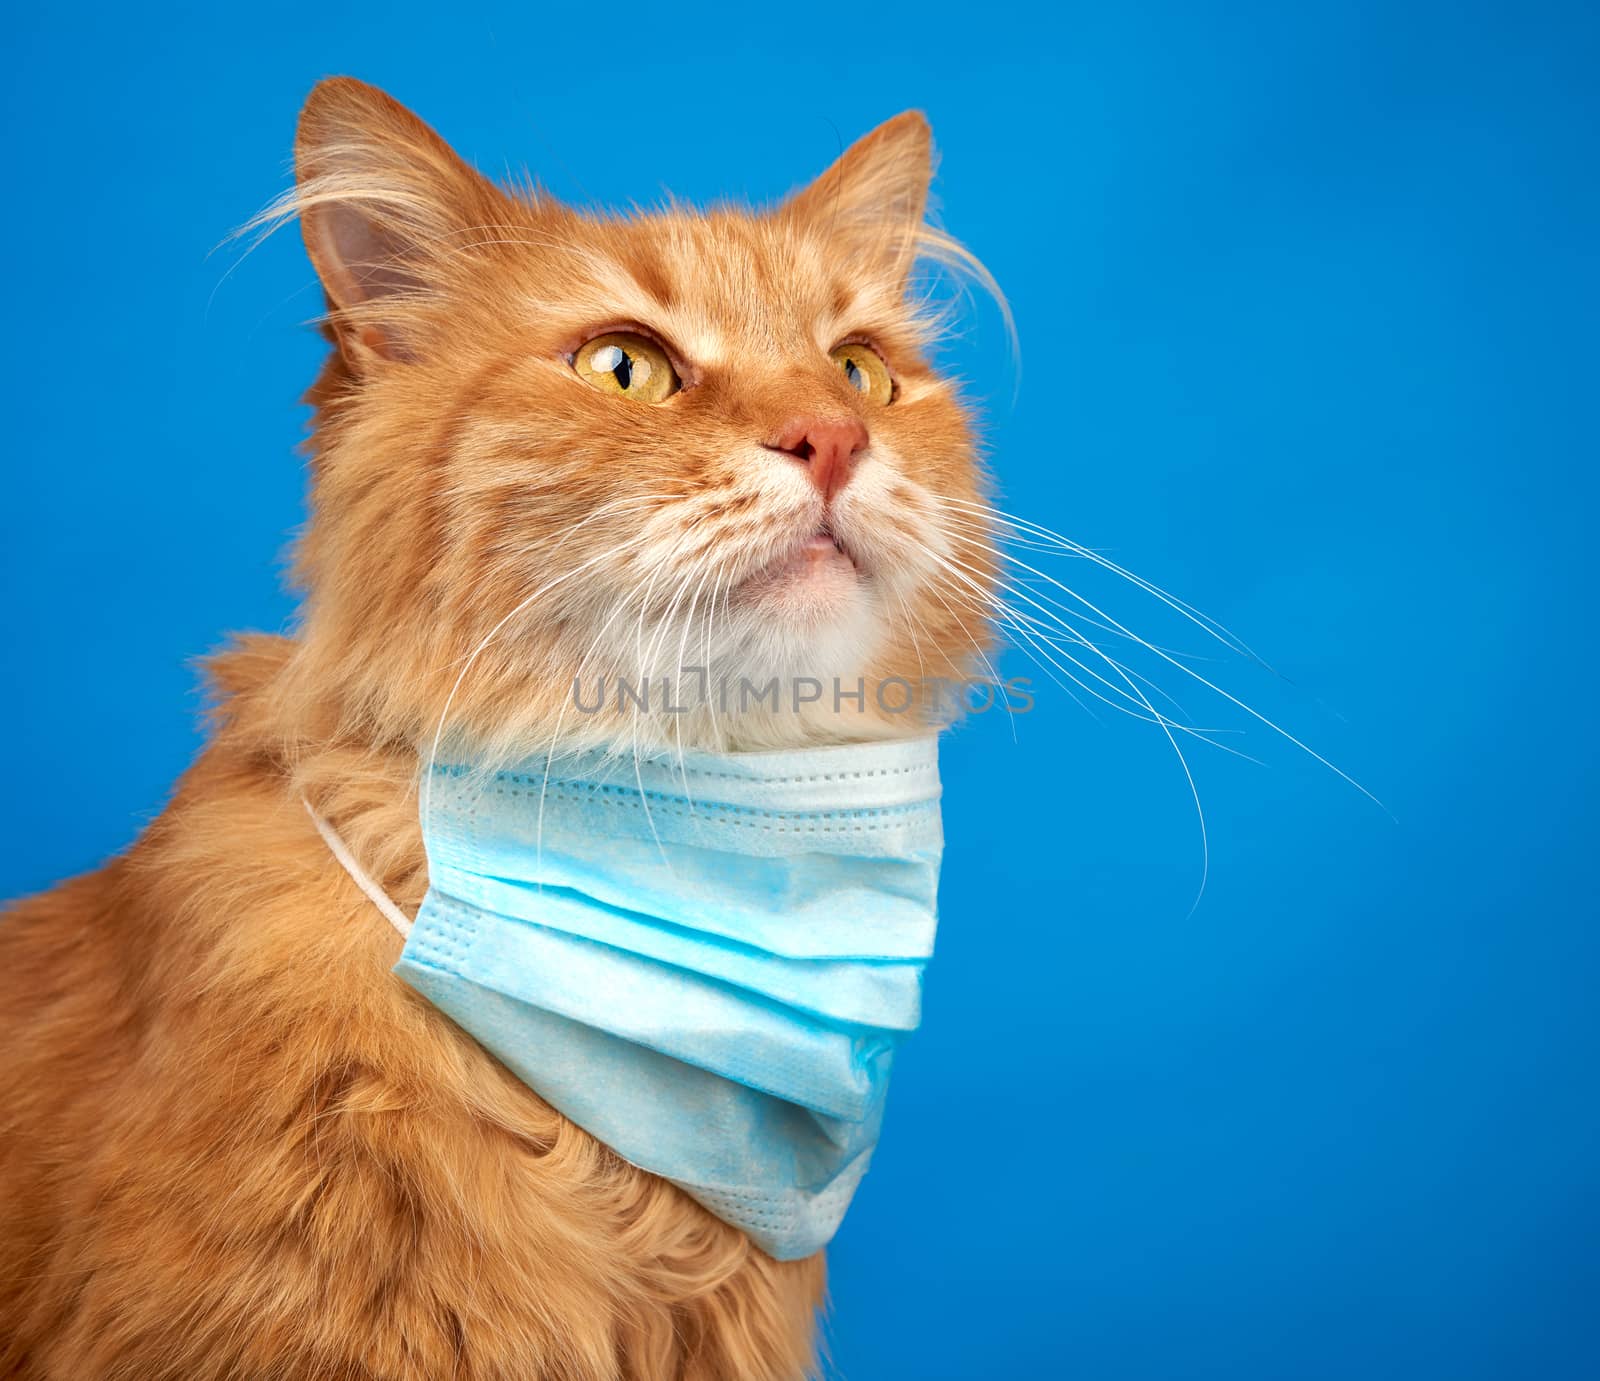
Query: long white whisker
x=1034 y=644
x=1162 y=723
x=983 y=656
x=952 y=565
x=706 y=653
x=1021 y=622
x=1203 y=621
x=1223 y=636
x=489 y=637
x=644 y=604
x=1000 y=550
x=544 y=785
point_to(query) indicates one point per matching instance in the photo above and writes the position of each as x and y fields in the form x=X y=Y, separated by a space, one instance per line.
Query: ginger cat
x=232 y=1143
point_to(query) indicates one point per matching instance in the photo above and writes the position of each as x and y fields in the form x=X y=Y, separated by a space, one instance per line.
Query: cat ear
x=383 y=201
x=873 y=199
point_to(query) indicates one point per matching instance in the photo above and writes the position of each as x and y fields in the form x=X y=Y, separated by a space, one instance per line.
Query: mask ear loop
x=358 y=875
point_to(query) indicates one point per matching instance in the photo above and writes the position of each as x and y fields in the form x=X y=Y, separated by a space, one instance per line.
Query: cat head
x=563 y=457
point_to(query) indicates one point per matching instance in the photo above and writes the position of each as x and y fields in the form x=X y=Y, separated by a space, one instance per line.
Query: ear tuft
x=382 y=200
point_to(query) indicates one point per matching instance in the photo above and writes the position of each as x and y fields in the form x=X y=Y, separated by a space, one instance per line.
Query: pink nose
x=826 y=446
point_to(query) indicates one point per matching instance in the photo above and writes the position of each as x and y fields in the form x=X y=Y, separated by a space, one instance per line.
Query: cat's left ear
x=872 y=200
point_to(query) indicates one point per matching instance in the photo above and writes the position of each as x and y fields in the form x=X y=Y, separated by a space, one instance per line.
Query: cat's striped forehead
x=721 y=286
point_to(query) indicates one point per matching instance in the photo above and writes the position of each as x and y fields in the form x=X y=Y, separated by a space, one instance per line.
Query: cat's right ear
x=383 y=202
x=872 y=200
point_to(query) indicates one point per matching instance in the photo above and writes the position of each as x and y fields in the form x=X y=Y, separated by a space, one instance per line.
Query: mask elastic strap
x=358 y=875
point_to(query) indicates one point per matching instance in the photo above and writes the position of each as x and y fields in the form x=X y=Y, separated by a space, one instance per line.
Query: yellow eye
x=864 y=368
x=627 y=365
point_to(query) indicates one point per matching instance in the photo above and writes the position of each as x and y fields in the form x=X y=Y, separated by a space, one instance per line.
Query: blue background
x=1307 y=301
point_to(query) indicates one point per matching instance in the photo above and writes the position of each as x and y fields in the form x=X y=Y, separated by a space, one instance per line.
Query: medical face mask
x=708 y=962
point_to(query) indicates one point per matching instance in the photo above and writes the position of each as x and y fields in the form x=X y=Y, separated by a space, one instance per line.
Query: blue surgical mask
x=707 y=962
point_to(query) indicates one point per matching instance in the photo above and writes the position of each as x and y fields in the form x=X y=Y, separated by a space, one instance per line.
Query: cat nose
x=826 y=446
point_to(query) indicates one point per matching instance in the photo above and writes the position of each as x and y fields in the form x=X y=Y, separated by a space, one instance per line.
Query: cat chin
x=812 y=605
x=781 y=673
x=813 y=586
x=824 y=626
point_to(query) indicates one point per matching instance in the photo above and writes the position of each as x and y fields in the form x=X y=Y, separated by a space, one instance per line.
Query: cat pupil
x=852 y=371
x=615 y=361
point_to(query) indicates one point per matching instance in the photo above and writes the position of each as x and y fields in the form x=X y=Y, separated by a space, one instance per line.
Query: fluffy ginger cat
x=546 y=442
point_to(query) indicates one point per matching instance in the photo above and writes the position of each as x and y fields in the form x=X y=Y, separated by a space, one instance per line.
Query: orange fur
x=232 y=1143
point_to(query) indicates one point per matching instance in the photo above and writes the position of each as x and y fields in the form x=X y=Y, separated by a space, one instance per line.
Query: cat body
x=232 y=1143
x=236 y=1146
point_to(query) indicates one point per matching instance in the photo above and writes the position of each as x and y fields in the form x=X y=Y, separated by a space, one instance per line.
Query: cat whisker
x=710 y=566
x=662 y=632
x=1201 y=620
x=444 y=714
x=660 y=566
x=970 y=578
x=1026 y=629
x=1210 y=626
x=632 y=503
x=1034 y=636
x=1155 y=716
x=1000 y=551
x=550 y=747
x=708 y=660
x=983 y=657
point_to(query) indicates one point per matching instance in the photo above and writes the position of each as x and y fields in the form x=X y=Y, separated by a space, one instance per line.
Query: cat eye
x=865 y=370
x=627 y=365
